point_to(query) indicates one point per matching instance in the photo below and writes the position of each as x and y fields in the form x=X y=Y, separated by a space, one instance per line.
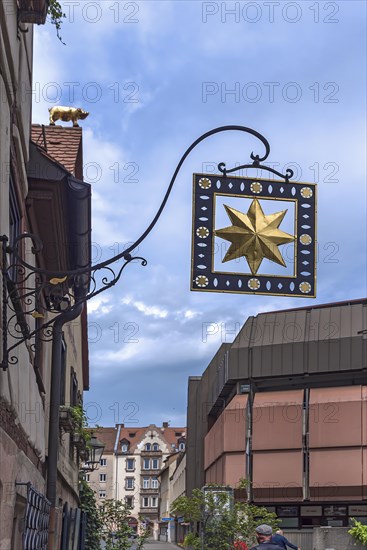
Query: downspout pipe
x=54 y=423
x=115 y=451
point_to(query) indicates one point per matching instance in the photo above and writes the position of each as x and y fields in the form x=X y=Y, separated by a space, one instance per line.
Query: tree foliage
x=359 y=532
x=115 y=528
x=116 y=531
x=142 y=538
x=56 y=14
x=192 y=540
x=189 y=507
x=222 y=521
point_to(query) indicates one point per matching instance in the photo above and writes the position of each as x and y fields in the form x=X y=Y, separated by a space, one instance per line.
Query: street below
x=158 y=545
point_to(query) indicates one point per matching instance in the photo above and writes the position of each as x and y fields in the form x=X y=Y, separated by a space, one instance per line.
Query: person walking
x=280 y=539
x=263 y=535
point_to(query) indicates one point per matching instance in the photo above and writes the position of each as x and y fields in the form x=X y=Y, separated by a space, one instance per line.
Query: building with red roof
x=132 y=461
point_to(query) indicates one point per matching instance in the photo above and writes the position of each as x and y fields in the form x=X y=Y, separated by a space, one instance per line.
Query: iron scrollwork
x=33 y=298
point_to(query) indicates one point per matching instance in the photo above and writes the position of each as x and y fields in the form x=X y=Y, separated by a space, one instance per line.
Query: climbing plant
x=56 y=15
x=88 y=505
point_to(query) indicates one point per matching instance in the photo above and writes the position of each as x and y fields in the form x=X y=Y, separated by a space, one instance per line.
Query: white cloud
x=161 y=329
x=184 y=315
x=153 y=311
x=99 y=305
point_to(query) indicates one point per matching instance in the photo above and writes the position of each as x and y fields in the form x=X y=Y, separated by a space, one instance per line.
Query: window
x=178 y=434
x=14 y=222
x=103 y=462
x=63 y=371
x=132 y=434
x=154 y=502
x=73 y=388
x=129 y=483
x=130 y=464
x=102 y=478
x=146 y=483
x=146 y=464
x=124 y=447
x=155 y=464
x=87 y=477
x=154 y=483
x=146 y=502
x=129 y=501
x=102 y=494
x=148 y=447
x=181 y=446
x=155 y=447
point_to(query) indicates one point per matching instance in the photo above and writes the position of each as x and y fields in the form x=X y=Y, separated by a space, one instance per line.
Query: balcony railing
x=150 y=471
x=144 y=511
x=151 y=454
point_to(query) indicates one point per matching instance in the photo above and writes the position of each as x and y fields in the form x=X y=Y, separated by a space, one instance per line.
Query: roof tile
x=64 y=144
x=108 y=435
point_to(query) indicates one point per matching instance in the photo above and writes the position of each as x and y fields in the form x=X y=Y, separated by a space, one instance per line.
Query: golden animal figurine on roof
x=67 y=114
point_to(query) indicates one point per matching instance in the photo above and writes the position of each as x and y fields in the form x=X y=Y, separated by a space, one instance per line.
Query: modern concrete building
x=285 y=406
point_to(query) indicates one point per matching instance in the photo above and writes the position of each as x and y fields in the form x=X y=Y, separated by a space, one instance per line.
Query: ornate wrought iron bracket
x=33 y=298
x=257 y=161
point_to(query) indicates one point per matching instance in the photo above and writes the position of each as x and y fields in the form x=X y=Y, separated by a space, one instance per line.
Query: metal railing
x=37 y=517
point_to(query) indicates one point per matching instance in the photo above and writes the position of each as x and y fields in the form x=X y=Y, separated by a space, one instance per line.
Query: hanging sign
x=253 y=236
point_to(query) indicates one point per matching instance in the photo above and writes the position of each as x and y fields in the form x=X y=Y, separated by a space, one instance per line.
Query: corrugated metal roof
x=325 y=338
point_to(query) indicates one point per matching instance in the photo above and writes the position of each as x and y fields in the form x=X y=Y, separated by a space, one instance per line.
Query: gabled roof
x=64 y=144
x=124 y=434
x=107 y=436
x=113 y=436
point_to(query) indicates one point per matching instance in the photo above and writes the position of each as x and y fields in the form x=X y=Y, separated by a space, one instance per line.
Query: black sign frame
x=206 y=188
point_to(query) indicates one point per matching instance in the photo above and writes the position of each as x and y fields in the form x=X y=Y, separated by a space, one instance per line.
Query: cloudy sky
x=154 y=76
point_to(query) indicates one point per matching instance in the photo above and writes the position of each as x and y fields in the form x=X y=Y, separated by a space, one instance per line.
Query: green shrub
x=192 y=541
x=358 y=531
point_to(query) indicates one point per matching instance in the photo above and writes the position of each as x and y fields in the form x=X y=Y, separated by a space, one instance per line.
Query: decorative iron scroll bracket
x=33 y=298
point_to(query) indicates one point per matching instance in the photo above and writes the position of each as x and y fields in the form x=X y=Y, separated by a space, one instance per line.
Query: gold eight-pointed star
x=254 y=236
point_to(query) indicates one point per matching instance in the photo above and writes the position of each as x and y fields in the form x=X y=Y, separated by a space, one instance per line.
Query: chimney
x=165 y=424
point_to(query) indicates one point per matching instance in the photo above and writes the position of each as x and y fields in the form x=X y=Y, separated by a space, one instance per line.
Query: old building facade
x=171 y=486
x=42 y=193
x=134 y=458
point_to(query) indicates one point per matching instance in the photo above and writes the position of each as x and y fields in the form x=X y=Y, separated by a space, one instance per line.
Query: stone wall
x=334 y=538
